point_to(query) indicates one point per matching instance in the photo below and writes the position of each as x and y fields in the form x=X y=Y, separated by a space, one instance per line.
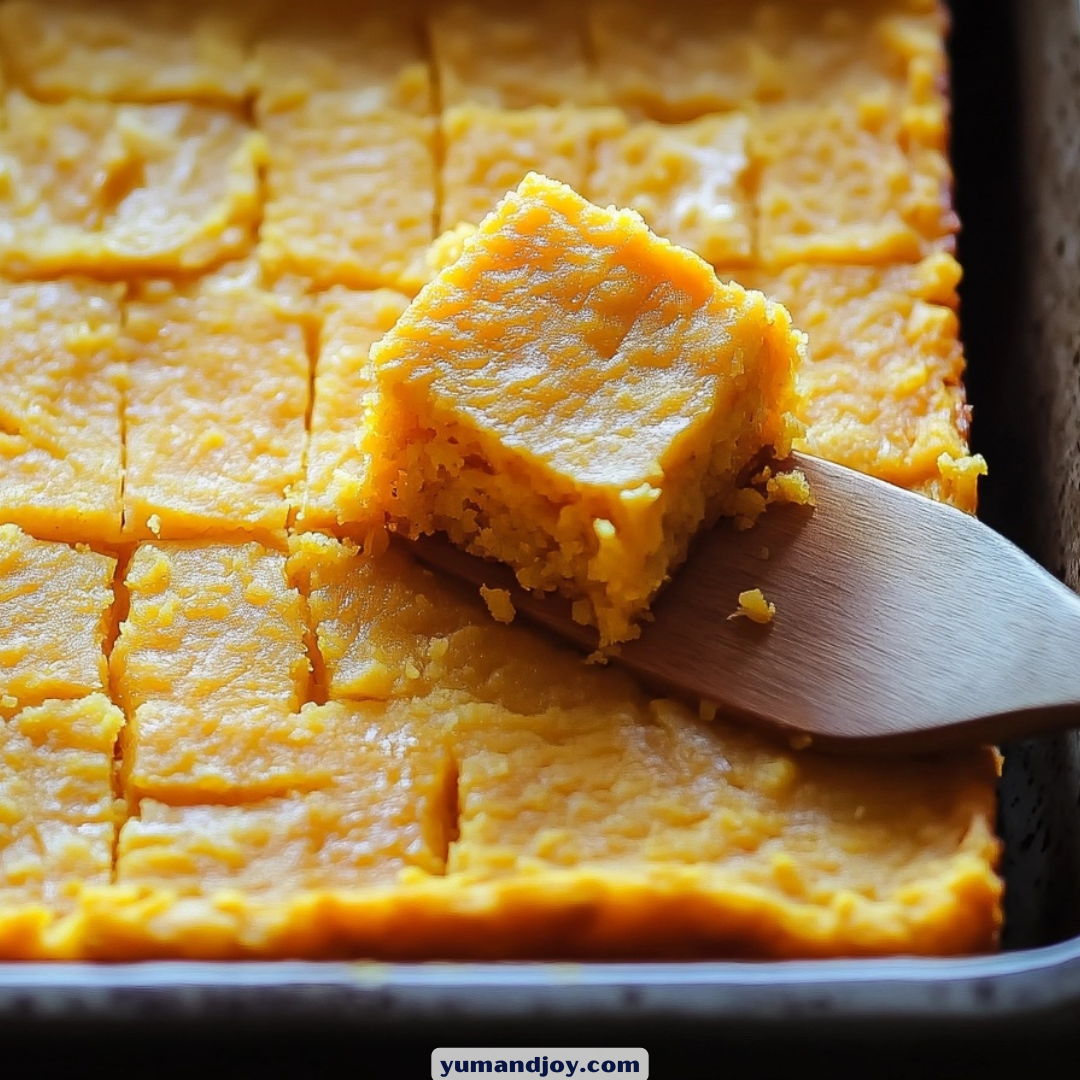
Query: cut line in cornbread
x=385 y=804
x=61 y=386
x=351 y=323
x=576 y=397
x=215 y=409
x=55 y=605
x=94 y=48
x=211 y=670
x=108 y=189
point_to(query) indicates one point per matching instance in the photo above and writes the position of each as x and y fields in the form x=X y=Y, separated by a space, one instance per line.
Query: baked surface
x=236 y=724
x=576 y=397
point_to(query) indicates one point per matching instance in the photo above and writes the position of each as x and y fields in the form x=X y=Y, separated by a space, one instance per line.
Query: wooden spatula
x=901 y=626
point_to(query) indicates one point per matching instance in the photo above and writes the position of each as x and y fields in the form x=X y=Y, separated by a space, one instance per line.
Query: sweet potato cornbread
x=576 y=397
x=231 y=723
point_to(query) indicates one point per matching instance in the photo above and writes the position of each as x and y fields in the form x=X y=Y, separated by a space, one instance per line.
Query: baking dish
x=1017 y=135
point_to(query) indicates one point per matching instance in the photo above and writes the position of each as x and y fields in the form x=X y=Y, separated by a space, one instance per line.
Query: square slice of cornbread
x=677 y=62
x=576 y=397
x=506 y=55
x=153 y=51
x=55 y=605
x=58 y=813
x=351 y=323
x=667 y=824
x=350 y=196
x=371 y=55
x=882 y=389
x=117 y=189
x=61 y=443
x=218 y=384
x=692 y=183
x=210 y=667
x=387 y=806
x=860 y=179
x=488 y=152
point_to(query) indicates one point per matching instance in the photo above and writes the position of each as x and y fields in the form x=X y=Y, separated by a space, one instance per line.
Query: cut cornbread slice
x=351 y=323
x=856 y=180
x=113 y=189
x=54 y=610
x=157 y=51
x=388 y=628
x=882 y=389
x=774 y=853
x=210 y=667
x=350 y=196
x=61 y=447
x=371 y=54
x=487 y=152
x=576 y=397
x=210 y=627
x=214 y=413
x=692 y=183
x=243 y=756
x=344 y=835
x=511 y=56
x=58 y=814
x=677 y=62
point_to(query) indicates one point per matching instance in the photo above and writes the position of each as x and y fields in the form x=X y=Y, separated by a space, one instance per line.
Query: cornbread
x=114 y=189
x=690 y=182
x=58 y=820
x=96 y=49
x=351 y=323
x=61 y=442
x=575 y=791
x=350 y=195
x=210 y=450
x=858 y=180
x=236 y=718
x=210 y=669
x=504 y=55
x=677 y=62
x=754 y=606
x=882 y=389
x=490 y=151
x=575 y=397
x=369 y=56
x=54 y=606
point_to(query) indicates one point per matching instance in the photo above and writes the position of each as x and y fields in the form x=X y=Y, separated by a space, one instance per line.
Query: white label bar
x=450 y=1062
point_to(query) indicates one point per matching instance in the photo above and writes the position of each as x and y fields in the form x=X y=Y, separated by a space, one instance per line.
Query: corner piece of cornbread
x=576 y=397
